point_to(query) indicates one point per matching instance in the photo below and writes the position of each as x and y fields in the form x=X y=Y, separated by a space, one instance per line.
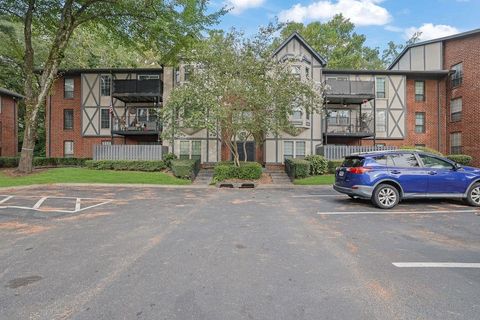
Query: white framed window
x=104 y=118
x=148 y=76
x=293 y=149
x=456 y=143
x=191 y=149
x=456 y=109
x=380 y=87
x=380 y=121
x=297 y=115
x=295 y=70
x=68 y=150
x=105 y=85
x=68 y=88
x=457 y=76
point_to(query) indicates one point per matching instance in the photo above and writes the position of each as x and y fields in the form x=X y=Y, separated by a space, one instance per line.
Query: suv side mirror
x=457 y=166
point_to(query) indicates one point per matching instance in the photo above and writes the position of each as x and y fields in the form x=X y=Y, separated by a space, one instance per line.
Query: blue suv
x=389 y=176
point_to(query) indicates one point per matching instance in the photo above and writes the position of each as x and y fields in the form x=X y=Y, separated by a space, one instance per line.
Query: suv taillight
x=359 y=170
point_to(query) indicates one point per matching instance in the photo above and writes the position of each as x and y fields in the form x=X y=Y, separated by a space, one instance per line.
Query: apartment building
x=9 y=122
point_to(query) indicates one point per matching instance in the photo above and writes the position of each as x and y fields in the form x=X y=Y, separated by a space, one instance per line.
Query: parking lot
x=273 y=253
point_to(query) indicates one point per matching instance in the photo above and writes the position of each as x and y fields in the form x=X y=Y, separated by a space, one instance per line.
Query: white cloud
x=393 y=28
x=360 y=12
x=431 y=31
x=238 y=6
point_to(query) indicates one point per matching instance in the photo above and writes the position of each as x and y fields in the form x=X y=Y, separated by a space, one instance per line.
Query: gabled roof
x=454 y=36
x=6 y=92
x=304 y=42
x=109 y=70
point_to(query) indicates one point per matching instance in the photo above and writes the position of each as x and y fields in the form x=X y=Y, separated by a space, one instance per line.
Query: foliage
x=333 y=165
x=423 y=149
x=326 y=179
x=126 y=165
x=185 y=169
x=238 y=91
x=163 y=27
x=393 y=50
x=168 y=158
x=318 y=164
x=337 y=42
x=8 y=162
x=246 y=171
x=297 y=168
x=84 y=175
x=462 y=159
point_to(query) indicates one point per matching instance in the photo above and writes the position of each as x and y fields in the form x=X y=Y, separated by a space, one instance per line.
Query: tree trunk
x=245 y=150
x=26 y=157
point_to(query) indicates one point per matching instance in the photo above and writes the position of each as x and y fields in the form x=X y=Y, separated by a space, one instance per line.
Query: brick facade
x=467 y=51
x=8 y=126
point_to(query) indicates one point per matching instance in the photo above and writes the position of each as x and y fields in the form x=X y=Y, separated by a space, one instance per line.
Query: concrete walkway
x=279 y=177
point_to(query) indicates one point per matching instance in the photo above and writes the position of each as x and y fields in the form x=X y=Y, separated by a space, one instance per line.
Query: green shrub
x=318 y=164
x=334 y=164
x=8 y=162
x=424 y=149
x=247 y=171
x=462 y=159
x=168 y=159
x=126 y=165
x=185 y=169
x=297 y=168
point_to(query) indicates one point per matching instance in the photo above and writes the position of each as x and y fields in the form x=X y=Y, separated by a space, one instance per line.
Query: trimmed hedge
x=12 y=162
x=297 y=168
x=246 y=171
x=334 y=164
x=318 y=164
x=462 y=159
x=168 y=158
x=126 y=165
x=424 y=149
x=185 y=169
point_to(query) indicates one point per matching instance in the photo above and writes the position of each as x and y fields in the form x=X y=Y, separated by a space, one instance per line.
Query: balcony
x=349 y=91
x=138 y=90
x=137 y=124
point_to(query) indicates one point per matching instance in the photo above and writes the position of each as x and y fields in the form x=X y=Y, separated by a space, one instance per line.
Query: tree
x=393 y=50
x=336 y=41
x=162 y=26
x=239 y=91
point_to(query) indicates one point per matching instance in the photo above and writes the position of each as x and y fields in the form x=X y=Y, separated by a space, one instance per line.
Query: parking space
x=291 y=253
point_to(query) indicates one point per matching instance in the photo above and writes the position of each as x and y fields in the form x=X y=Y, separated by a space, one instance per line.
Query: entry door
x=250 y=146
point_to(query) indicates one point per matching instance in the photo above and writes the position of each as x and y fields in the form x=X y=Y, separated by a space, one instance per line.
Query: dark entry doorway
x=250 y=147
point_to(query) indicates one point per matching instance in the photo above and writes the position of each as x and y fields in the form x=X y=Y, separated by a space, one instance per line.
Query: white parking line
x=318 y=195
x=388 y=212
x=6 y=199
x=78 y=204
x=435 y=265
x=39 y=202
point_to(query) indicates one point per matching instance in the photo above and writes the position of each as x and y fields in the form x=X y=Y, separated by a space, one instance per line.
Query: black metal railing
x=151 y=86
x=349 y=87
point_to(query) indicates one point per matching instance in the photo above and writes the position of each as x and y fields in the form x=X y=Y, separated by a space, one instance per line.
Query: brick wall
x=467 y=51
x=57 y=135
x=8 y=127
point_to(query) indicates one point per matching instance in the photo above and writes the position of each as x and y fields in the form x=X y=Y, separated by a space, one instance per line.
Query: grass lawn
x=82 y=175
x=327 y=179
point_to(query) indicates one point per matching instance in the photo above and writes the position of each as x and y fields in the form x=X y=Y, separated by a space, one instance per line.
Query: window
x=288 y=149
x=405 y=160
x=380 y=87
x=300 y=149
x=380 y=121
x=385 y=160
x=419 y=90
x=187 y=72
x=295 y=70
x=142 y=114
x=297 y=115
x=307 y=72
x=105 y=85
x=435 y=163
x=105 y=119
x=184 y=150
x=68 y=87
x=457 y=76
x=196 y=150
x=456 y=109
x=293 y=149
x=419 y=122
x=106 y=143
x=148 y=76
x=68 y=149
x=68 y=119
x=339 y=117
x=456 y=143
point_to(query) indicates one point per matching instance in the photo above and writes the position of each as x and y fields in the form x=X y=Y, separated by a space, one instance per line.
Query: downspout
x=438 y=115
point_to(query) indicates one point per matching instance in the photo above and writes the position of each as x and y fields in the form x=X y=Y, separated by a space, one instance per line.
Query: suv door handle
x=432 y=173
x=395 y=171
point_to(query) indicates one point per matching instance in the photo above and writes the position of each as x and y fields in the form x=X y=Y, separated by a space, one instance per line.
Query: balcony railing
x=150 y=86
x=136 y=127
x=347 y=87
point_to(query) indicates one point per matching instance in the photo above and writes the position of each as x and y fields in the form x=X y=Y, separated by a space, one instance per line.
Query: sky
x=380 y=20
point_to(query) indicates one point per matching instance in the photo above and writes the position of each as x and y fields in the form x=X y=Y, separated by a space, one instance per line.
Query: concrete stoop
x=204 y=177
x=279 y=177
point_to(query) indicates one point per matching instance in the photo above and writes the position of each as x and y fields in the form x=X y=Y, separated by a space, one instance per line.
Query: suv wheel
x=473 y=196
x=386 y=196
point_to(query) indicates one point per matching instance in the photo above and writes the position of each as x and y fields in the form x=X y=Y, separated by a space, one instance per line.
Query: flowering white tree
x=239 y=91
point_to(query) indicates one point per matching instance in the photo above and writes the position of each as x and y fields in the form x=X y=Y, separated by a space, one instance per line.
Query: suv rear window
x=350 y=162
